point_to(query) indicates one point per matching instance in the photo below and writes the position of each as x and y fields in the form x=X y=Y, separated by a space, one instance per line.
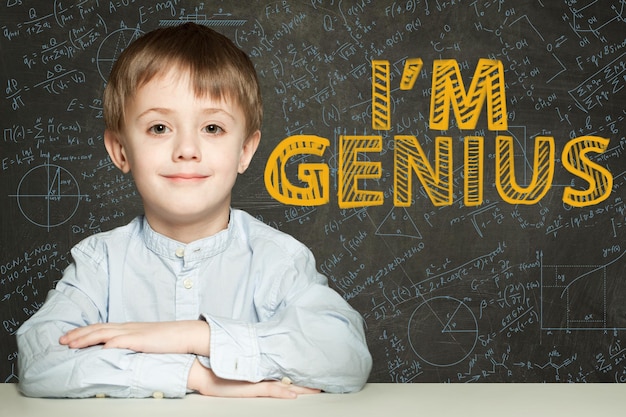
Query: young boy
x=193 y=296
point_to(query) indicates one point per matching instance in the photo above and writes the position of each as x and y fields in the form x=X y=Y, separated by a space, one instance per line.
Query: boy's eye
x=158 y=129
x=213 y=129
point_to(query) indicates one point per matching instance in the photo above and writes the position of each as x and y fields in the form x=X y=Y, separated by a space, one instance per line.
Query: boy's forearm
x=203 y=381
x=197 y=376
x=121 y=373
x=200 y=337
x=187 y=336
x=282 y=347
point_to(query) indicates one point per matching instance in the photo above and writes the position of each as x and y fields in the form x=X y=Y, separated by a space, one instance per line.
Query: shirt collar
x=197 y=250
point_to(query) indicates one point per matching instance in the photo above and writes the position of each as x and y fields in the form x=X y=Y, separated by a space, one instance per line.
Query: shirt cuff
x=235 y=352
x=161 y=375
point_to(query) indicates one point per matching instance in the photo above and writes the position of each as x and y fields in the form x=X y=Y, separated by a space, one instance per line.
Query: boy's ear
x=247 y=151
x=116 y=151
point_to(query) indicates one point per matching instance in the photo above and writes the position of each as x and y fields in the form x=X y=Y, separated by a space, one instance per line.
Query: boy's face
x=184 y=153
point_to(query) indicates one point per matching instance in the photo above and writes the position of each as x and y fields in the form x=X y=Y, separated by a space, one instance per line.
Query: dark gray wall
x=495 y=292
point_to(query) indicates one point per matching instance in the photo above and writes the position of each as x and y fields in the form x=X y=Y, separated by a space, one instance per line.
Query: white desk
x=386 y=400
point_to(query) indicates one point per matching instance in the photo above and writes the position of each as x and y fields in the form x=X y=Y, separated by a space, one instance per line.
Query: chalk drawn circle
x=443 y=331
x=48 y=195
x=112 y=46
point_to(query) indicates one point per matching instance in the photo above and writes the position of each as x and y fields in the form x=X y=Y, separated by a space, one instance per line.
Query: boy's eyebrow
x=165 y=110
x=214 y=110
x=156 y=110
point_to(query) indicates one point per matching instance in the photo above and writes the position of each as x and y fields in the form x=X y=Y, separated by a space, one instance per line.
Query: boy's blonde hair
x=217 y=67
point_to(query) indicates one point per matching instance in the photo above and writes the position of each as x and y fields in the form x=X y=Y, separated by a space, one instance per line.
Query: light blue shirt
x=270 y=312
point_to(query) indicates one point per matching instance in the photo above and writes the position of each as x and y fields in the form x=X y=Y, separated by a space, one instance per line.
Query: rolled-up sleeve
x=48 y=369
x=306 y=332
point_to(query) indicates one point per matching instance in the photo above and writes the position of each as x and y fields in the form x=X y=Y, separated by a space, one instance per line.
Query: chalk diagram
x=218 y=19
x=582 y=297
x=48 y=195
x=398 y=222
x=442 y=331
x=112 y=46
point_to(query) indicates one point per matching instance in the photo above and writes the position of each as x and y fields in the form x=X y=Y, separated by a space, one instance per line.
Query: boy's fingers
x=282 y=390
x=276 y=391
x=87 y=336
x=304 y=390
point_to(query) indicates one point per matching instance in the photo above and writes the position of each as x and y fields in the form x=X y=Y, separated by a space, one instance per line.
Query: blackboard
x=484 y=252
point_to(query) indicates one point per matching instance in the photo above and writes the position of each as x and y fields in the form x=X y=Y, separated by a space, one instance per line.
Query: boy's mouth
x=186 y=177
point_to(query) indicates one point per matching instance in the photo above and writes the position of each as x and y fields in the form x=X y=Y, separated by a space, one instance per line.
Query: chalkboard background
x=491 y=293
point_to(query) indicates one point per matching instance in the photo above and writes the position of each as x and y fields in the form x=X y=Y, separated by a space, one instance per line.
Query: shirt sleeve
x=49 y=369
x=306 y=332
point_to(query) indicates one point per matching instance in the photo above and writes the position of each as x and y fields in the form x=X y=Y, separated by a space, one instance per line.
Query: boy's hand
x=190 y=336
x=205 y=382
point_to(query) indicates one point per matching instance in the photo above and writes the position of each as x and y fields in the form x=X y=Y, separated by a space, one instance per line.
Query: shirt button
x=180 y=252
x=188 y=283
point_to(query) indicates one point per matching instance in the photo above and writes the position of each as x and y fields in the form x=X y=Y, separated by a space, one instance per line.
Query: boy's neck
x=187 y=232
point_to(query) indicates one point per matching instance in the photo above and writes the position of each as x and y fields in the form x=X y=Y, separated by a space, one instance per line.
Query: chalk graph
x=56 y=191
x=582 y=297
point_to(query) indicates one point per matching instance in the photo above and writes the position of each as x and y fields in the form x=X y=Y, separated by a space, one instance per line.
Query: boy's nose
x=187 y=148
